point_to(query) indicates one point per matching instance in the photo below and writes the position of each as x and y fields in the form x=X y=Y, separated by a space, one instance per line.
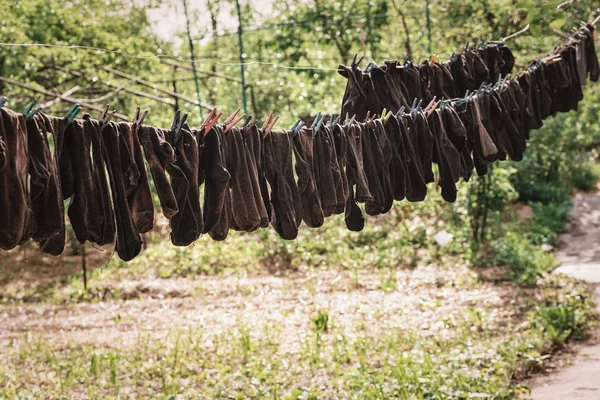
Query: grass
x=470 y=358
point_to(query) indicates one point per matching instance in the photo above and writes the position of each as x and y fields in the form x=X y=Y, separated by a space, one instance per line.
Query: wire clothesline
x=167 y=56
x=302 y=22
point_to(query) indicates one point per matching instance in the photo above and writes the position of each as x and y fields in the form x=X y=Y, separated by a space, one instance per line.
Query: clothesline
x=249 y=176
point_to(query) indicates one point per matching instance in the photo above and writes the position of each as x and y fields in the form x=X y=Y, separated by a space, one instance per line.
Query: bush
x=549 y=220
x=526 y=262
x=584 y=178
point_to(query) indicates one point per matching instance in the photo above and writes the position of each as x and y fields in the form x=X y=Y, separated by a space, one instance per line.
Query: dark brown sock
x=254 y=145
x=312 y=213
x=187 y=224
x=217 y=178
x=285 y=197
x=107 y=216
x=14 y=212
x=138 y=191
x=246 y=215
x=129 y=241
x=55 y=244
x=159 y=155
x=84 y=208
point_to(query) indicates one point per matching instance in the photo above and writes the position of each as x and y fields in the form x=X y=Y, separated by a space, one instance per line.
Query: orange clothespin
x=232 y=116
x=232 y=122
x=267 y=121
x=270 y=126
x=208 y=118
x=210 y=121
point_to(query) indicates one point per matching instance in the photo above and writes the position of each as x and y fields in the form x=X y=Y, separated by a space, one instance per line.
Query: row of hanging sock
x=253 y=176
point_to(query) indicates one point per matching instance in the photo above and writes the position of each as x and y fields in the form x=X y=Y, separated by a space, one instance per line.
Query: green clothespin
x=72 y=113
x=29 y=112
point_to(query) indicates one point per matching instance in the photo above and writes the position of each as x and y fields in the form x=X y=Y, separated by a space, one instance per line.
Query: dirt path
x=580 y=256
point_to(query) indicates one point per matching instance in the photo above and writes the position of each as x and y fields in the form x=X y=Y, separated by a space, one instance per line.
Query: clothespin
x=268 y=120
x=335 y=122
x=29 y=112
x=415 y=107
x=3 y=101
x=270 y=126
x=317 y=124
x=210 y=121
x=400 y=112
x=297 y=127
x=385 y=116
x=248 y=120
x=139 y=119
x=316 y=120
x=176 y=126
x=354 y=62
x=230 y=122
x=431 y=106
x=72 y=113
x=368 y=115
x=232 y=116
x=106 y=116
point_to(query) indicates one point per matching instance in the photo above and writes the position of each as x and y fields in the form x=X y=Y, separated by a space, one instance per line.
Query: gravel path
x=580 y=256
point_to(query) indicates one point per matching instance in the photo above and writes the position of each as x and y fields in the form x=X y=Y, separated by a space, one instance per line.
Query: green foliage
x=526 y=262
x=584 y=178
x=549 y=220
x=561 y=320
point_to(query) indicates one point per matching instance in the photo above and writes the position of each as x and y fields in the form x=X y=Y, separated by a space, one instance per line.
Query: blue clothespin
x=400 y=112
x=297 y=127
x=3 y=101
x=72 y=113
x=317 y=123
x=415 y=107
x=316 y=120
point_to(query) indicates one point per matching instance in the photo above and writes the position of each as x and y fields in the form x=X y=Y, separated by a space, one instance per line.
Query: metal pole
x=240 y=33
x=187 y=19
x=428 y=19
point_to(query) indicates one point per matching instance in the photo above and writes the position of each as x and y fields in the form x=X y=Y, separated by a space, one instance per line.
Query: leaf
x=558 y=23
x=525 y=4
x=536 y=30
